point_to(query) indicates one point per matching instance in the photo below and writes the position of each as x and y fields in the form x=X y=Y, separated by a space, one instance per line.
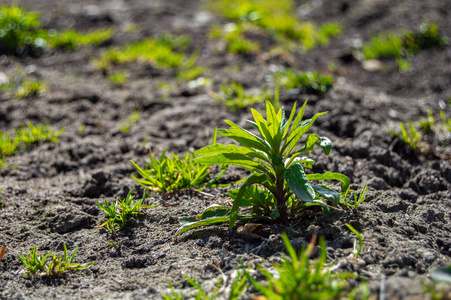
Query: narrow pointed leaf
x=331 y=176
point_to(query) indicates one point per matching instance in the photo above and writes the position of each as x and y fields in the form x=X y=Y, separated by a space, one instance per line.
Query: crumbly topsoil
x=50 y=195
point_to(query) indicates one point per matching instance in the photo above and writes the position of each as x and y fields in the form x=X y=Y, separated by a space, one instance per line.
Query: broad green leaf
x=312 y=139
x=331 y=176
x=307 y=162
x=298 y=183
x=263 y=129
x=327 y=193
x=321 y=203
x=272 y=121
x=252 y=179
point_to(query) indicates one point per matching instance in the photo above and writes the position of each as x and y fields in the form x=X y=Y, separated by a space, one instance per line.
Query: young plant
x=31 y=134
x=237 y=288
x=120 y=213
x=278 y=186
x=174 y=173
x=118 y=78
x=36 y=264
x=18 y=28
x=70 y=40
x=161 y=52
x=358 y=249
x=357 y=200
x=411 y=138
x=21 y=87
x=130 y=121
x=299 y=278
x=445 y=121
x=236 y=98
x=310 y=82
x=59 y=265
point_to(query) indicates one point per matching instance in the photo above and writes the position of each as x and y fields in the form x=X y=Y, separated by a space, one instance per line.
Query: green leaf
x=307 y=162
x=298 y=183
x=252 y=179
x=327 y=193
x=219 y=148
x=331 y=176
x=205 y=222
x=321 y=203
x=212 y=211
x=230 y=159
x=244 y=137
x=312 y=139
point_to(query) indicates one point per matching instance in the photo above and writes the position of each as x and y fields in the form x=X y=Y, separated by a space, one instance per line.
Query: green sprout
x=161 y=52
x=357 y=200
x=358 y=249
x=411 y=138
x=237 y=288
x=278 y=186
x=299 y=278
x=25 y=136
x=130 y=121
x=118 y=78
x=120 y=213
x=31 y=134
x=445 y=121
x=427 y=124
x=70 y=40
x=275 y=17
x=21 y=87
x=234 y=36
x=236 y=98
x=403 y=46
x=174 y=173
x=192 y=73
x=36 y=264
x=18 y=28
x=310 y=82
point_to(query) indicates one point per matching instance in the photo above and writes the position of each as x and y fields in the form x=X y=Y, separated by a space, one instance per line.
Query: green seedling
x=36 y=264
x=160 y=52
x=427 y=125
x=192 y=73
x=233 y=35
x=277 y=18
x=18 y=28
x=445 y=121
x=357 y=200
x=411 y=138
x=20 y=87
x=174 y=173
x=237 y=288
x=357 y=249
x=130 y=121
x=236 y=98
x=59 y=265
x=31 y=134
x=310 y=82
x=299 y=278
x=121 y=212
x=403 y=46
x=25 y=136
x=278 y=186
x=70 y=40
x=118 y=78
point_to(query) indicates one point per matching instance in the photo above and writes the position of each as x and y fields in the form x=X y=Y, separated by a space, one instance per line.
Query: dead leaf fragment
x=247 y=230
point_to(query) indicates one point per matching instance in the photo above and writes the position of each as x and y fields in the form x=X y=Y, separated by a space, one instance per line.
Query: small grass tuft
x=70 y=40
x=310 y=82
x=236 y=98
x=130 y=121
x=36 y=264
x=120 y=213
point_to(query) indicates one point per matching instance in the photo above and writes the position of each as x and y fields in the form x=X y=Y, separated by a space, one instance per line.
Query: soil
x=51 y=189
